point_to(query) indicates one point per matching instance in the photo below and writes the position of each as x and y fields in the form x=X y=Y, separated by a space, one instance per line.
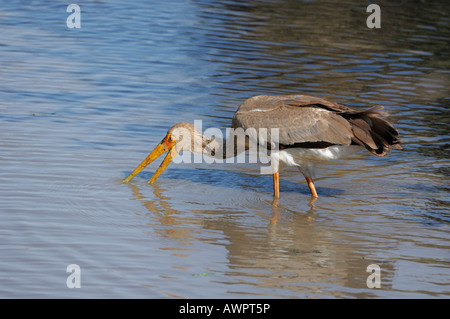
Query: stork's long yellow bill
x=167 y=144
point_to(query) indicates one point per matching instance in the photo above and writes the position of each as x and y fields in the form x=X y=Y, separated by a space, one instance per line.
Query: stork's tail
x=372 y=131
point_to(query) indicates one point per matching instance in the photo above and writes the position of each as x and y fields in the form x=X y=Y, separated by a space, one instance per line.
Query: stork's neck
x=235 y=143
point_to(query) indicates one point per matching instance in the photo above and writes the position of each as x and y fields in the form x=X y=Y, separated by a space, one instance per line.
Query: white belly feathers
x=304 y=158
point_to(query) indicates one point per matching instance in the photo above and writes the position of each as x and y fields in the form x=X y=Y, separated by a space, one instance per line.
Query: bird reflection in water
x=161 y=208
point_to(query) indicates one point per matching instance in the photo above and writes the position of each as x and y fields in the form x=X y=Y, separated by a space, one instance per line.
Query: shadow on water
x=238 y=180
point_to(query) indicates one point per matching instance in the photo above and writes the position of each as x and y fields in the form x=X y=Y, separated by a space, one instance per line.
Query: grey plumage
x=308 y=121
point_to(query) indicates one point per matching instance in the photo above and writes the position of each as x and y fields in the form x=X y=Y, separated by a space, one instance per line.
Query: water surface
x=80 y=108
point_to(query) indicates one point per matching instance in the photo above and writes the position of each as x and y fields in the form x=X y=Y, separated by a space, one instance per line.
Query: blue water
x=80 y=108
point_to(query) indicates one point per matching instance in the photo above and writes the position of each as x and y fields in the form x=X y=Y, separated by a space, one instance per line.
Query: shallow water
x=80 y=108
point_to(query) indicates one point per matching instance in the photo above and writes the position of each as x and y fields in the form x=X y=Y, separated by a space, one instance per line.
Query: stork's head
x=180 y=137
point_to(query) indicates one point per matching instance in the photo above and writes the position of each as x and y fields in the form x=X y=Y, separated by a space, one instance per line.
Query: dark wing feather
x=372 y=131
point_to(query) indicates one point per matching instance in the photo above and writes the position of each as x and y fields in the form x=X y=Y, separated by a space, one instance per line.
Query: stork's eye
x=171 y=139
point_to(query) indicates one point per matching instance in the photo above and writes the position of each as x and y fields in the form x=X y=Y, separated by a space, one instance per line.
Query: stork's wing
x=299 y=118
x=308 y=121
